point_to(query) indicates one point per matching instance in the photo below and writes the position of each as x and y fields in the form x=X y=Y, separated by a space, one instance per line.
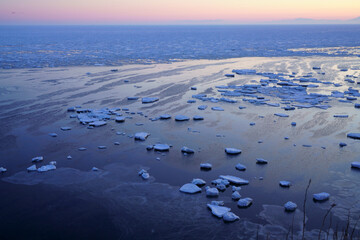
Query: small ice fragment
x=32 y=168
x=46 y=168
x=286 y=138
x=323 y=196
x=241 y=107
x=230 y=217
x=221 y=187
x=285 y=183
x=217 y=203
x=37 y=159
x=290 y=206
x=293 y=124
x=245 y=202
x=181 y=118
x=141 y=136
x=71 y=109
x=198 y=118
x=235 y=195
x=161 y=147
x=97 y=123
x=193 y=88
x=120 y=119
x=69 y=157
x=240 y=167
x=149 y=99
x=81 y=148
x=357 y=105
x=235 y=188
x=202 y=107
x=190 y=188
x=307 y=145
x=101 y=147
x=353 y=135
x=158 y=159
x=212 y=192
x=52 y=163
x=191 y=101
x=65 y=128
x=261 y=161
x=187 y=150
x=355 y=165
x=165 y=116
x=232 y=151
x=342 y=144
x=52 y=134
x=218 y=211
x=281 y=115
x=2 y=169
x=95 y=169
x=252 y=124
x=205 y=166
x=341 y=116
x=144 y=174
x=217 y=109
x=234 y=180
x=150 y=147
x=198 y=182
x=132 y=98
x=220 y=181
x=116 y=143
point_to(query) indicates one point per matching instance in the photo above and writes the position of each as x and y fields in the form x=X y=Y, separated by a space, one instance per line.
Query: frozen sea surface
x=45 y=46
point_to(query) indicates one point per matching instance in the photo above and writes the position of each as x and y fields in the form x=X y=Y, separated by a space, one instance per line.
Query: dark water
x=42 y=46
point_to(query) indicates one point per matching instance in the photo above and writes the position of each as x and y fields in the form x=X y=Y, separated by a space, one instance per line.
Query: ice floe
x=217 y=109
x=230 y=217
x=190 y=188
x=2 y=169
x=355 y=165
x=290 y=206
x=206 y=166
x=32 y=168
x=218 y=211
x=353 y=135
x=149 y=99
x=232 y=151
x=235 y=195
x=46 y=168
x=261 y=161
x=161 y=147
x=240 y=167
x=285 y=184
x=37 y=159
x=198 y=118
x=181 y=118
x=187 y=150
x=144 y=174
x=141 y=136
x=198 y=181
x=212 y=192
x=323 y=196
x=234 y=180
x=244 y=202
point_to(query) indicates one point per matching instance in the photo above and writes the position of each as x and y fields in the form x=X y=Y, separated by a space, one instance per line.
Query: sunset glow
x=171 y=11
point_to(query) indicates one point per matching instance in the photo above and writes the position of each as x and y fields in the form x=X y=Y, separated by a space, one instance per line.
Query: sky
x=172 y=11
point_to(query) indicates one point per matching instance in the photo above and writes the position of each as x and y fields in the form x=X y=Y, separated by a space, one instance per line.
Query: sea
x=60 y=46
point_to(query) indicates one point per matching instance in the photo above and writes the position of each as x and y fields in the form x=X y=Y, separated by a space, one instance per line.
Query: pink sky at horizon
x=171 y=11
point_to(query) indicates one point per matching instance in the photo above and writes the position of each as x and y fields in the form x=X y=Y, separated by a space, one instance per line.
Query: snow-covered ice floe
x=190 y=188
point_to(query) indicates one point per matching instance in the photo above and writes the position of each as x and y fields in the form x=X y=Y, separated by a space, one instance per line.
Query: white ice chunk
x=206 y=166
x=261 y=161
x=161 y=147
x=2 y=169
x=285 y=183
x=321 y=196
x=198 y=182
x=32 y=168
x=187 y=150
x=290 y=206
x=202 y=107
x=190 y=188
x=353 y=135
x=212 y=192
x=230 y=217
x=141 y=136
x=355 y=165
x=234 y=180
x=46 y=168
x=95 y=169
x=281 y=115
x=245 y=202
x=232 y=151
x=97 y=123
x=165 y=116
x=198 y=118
x=120 y=119
x=218 y=211
x=52 y=134
x=240 y=167
x=149 y=99
x=37 y=159
x=181 y=118
x=217 y=109
x=65 y=128
x=236 y=195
